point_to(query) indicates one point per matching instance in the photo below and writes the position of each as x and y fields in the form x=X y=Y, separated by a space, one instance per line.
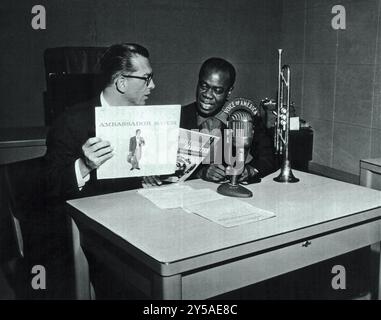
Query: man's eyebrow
x=202 y=81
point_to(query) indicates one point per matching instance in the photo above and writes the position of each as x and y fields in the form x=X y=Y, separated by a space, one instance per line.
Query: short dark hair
x=218 y=64
x=118 y=58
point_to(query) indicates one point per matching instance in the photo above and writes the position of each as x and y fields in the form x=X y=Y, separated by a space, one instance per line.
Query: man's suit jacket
x=64 y=146
x=261 y=149
x=132 y=147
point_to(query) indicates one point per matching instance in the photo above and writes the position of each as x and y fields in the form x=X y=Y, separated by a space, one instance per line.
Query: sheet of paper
x=294 y=123
x=178 y=196
x=229 y=212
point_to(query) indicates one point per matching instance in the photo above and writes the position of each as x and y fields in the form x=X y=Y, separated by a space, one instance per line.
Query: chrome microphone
x=239 y=136
x=240 y=125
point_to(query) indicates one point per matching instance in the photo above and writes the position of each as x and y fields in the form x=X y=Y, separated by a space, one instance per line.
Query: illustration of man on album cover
x=135 y=150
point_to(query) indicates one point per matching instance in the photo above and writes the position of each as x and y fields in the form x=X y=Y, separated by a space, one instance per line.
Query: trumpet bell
x=286 y=175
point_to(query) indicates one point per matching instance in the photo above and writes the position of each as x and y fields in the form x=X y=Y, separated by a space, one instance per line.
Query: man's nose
x=208 y=93
x=151 y=85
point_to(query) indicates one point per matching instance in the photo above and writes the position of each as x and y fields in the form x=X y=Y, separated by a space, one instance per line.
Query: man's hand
x=96 y=152
x=151 y=181
x=214 y=173
x=249 y=173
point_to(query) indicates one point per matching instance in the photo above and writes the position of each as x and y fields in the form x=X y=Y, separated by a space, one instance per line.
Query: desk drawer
x=224 y=278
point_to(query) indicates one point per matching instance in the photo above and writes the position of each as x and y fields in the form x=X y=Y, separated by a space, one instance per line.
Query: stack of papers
x=225 y=211
x=178 y=196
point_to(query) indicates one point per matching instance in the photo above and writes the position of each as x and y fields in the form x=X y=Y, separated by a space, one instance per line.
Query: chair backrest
x=72 y=60
x=72 y=76
x=66 y=90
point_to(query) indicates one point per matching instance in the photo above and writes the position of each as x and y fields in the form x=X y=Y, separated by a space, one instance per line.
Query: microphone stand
x=233 y=188
x=238 y=115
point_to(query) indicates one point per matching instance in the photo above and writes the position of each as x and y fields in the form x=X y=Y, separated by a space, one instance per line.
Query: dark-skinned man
x=215 y=85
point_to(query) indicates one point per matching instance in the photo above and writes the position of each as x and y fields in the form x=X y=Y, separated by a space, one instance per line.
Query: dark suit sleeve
x=262 y=150
x=62 y=152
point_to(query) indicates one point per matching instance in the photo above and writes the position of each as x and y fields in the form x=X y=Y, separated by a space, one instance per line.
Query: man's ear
x=121 y=84
x=230 y=91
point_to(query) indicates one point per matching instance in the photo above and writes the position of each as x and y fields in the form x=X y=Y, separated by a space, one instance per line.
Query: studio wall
x=336 y=77
x=180 y=35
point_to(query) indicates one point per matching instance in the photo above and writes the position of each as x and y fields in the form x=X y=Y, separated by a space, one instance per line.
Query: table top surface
x=375 y=161
x=174 y=235
x=22 y=137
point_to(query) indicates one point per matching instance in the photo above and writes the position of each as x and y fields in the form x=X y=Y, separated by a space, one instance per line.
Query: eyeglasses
x=147 y=79
x=204 y=87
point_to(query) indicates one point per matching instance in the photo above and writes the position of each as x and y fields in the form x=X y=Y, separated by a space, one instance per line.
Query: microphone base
x=236 y=191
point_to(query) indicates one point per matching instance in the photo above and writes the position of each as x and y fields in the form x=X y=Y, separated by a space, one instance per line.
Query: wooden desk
x=370 y=173
x=172 y=254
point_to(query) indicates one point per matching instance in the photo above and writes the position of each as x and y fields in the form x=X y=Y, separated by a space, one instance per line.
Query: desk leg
x=375 y=271
x=167 y=288
x=81 y=267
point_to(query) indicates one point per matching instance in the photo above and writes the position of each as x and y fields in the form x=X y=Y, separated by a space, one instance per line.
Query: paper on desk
x=229 y=212
x=178 y=196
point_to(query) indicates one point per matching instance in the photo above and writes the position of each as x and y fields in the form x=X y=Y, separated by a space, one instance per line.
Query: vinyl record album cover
x=144 y=138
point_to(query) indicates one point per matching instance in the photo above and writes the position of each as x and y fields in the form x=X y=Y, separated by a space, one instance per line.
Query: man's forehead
x=216 y=76
x=141 y=64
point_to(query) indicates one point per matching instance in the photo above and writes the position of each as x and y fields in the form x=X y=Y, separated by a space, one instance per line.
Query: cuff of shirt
x=80 y=181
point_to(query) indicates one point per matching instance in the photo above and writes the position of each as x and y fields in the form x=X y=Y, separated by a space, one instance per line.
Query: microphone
x=239 y=115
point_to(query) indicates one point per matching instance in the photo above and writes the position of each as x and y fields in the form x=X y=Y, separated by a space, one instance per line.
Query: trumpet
x=282 y=124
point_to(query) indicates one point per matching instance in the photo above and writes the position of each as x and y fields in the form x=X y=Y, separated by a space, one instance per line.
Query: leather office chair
x=72 y=76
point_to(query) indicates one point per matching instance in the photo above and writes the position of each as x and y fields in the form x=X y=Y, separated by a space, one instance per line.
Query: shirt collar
x=200 y=119
x=104 y=103
x=209 y=123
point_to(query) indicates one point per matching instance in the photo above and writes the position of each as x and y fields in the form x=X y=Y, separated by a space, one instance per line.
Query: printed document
x=178 y=196
x=229 y=212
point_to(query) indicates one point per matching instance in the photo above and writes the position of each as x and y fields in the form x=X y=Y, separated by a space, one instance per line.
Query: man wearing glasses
x=73 y=150
x=214 y=87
